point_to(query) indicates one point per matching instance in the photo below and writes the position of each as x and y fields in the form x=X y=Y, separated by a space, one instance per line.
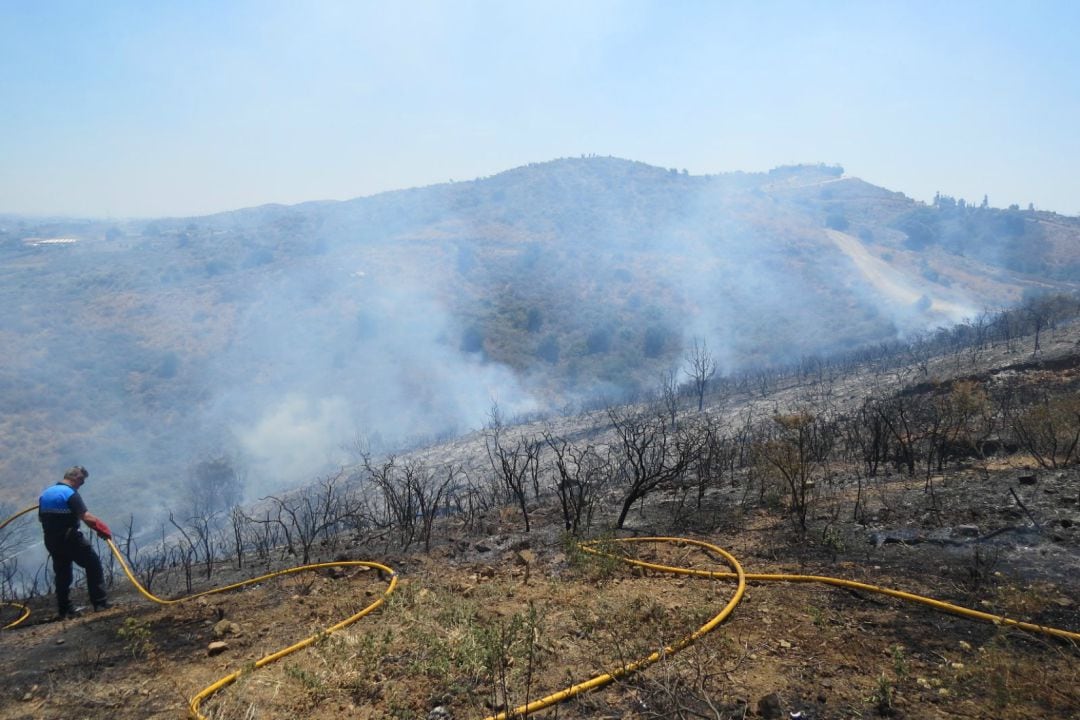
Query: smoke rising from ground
x=343 y=356
x=283 y=336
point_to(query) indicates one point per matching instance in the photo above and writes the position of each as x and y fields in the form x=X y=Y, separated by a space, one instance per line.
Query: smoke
x=342 y=355
x=280 y=336
x=751 y=275
x=293 y=438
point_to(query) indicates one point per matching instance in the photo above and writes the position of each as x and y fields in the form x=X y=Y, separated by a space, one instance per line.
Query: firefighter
x=60 y=509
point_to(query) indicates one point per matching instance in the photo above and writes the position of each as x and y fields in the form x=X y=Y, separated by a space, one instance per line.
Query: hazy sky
x=157 y=108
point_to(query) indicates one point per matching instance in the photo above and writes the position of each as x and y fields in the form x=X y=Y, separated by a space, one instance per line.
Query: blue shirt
x=60 y=507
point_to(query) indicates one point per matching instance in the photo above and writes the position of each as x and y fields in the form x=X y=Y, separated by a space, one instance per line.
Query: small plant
x=833 y=541
x=510 y=656
x=900 y=662
x=569 y=542
x=599 y=565
x=883 y=695
x=136 y=636
x=315 y=685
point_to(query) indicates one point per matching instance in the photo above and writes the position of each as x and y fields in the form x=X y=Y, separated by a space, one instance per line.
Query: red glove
x=100 y=528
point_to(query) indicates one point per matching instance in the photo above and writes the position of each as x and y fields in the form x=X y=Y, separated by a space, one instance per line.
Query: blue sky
x=118 y=109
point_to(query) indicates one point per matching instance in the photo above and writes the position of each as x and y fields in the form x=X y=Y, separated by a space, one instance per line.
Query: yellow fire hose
x=24 y=611
x=605 y=678
x=590 y=547
x=196 y=701
x=742 y=578
x=193 y=704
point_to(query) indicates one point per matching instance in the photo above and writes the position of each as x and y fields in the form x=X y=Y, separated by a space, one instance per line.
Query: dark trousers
x=73 y=547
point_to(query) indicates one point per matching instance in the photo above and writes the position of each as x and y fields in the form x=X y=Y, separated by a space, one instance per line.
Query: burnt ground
x=498 y=617
x=823 y=651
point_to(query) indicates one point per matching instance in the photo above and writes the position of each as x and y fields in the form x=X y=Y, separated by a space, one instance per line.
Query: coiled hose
x=24 y=611
x=196 y=701
x=202 y=695
x=593 y=547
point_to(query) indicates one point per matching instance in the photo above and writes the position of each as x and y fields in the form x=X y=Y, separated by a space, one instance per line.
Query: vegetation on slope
x=946 y=466
x=158 y=344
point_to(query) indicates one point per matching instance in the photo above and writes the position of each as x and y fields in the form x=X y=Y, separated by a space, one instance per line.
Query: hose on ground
x=600 y=548
x=24 y=611
x=615 y=674
x=596 y=547
x=196 y=701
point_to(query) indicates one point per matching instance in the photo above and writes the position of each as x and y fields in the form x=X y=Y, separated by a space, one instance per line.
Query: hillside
x=274 y=336
x=947 y=468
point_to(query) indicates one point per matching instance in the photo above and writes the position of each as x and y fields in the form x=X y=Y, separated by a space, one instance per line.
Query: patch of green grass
x=600 y=564
x=137 y=637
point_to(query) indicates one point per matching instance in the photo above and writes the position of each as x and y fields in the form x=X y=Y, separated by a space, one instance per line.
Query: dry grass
x=477 y=639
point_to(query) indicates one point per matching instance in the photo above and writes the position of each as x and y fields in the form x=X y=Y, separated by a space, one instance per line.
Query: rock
x=1027 y=480
x=439 y=713
x=785 y=644
x=217 y=647
x=225 y=627
x=769 y=707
